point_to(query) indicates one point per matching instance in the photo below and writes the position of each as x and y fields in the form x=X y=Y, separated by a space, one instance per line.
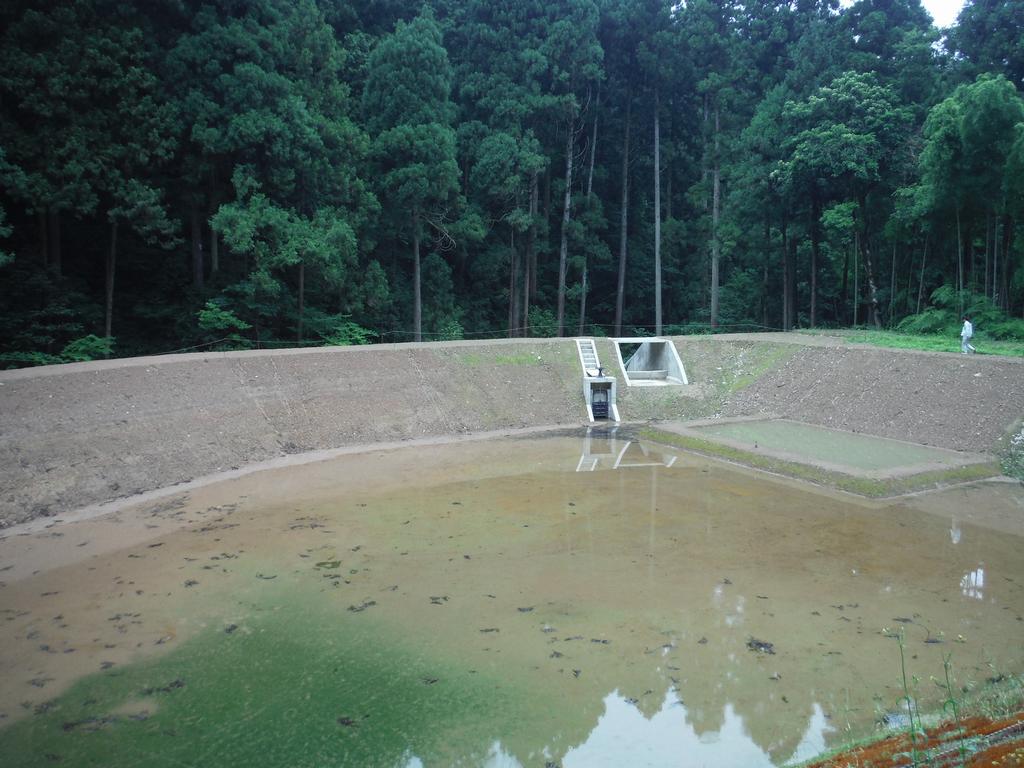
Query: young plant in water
x=912 y=722
x=950 y=704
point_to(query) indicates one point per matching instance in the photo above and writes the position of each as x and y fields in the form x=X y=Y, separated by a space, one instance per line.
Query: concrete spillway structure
x=650 y=362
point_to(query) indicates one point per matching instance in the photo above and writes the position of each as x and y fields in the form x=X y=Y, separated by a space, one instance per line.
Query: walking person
x=965 y=336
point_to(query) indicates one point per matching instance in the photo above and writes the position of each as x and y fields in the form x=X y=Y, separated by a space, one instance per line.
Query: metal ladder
x=588 y=355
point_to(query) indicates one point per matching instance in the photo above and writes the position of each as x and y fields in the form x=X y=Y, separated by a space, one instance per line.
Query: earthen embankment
x=86 y=433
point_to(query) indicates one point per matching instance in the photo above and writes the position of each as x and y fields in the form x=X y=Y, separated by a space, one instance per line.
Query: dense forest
x=185 y=174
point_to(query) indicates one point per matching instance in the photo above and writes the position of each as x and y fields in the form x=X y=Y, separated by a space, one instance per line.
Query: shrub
x=543 y=322
x=1013 y=460
x=943 y=317
x=89 y=347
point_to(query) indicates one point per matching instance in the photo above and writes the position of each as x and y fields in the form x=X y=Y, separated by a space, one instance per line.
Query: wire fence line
x=239 y=343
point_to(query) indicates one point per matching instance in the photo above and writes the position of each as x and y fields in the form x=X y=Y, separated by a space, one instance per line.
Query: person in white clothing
x=965 y=336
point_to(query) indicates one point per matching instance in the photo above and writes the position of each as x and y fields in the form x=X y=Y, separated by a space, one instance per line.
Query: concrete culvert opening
x=650 y=362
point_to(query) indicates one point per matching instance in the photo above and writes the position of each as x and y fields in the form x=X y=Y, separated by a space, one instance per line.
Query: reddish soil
x=940 y=747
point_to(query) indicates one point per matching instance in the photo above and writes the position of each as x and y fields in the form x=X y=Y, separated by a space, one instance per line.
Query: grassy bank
x=924 y=342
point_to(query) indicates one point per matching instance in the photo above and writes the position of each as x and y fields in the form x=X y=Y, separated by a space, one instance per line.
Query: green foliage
x=5 y=231
x=89 y=347
x=222 y=325
x=739 y=302
x=851 y=130
x=345 y=333
x=213 y=317
x=78 y=351
x=315 y=153
x=543 y=322
x=28 y=359
x=943 y=317
x=449 y=330
x=988 y=35
x=932 y=320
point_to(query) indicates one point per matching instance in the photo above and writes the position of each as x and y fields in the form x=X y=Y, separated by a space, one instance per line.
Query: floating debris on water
x=174 y=685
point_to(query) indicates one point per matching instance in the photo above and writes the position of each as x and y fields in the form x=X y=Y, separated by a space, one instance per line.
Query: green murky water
x=560 y=601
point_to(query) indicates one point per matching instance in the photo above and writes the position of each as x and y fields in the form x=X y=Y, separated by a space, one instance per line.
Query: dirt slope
x=79 y=434
x=954 y=401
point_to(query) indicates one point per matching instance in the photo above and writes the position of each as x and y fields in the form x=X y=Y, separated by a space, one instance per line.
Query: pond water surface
x=552 y=601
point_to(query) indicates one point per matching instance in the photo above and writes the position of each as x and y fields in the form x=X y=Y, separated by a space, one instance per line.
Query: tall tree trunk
x=920 y=283
x=668 y=188
x=547 y=197
x=959 y=263
x=704 y=164
x=590 y=201
x=988 y=241
x=787 y=268
x=876 y=311
x=876 y=318
x=197 y=248
x=214 y=203
x=716 y=208
x=593 y=148
x=53 y=225
x=892 y=286
x=583 y=300
x=905 y=309
x=995 y=262
x=417 y=300
x=620 y=292
x=530 y=267
x=563 y=251
x=302 y=299
x=1004 y=285
x=843 y=312
x=214 y=252
x=815 y=251
x=856 y=276
x=767 y=236
x=513 y=292
x=657 y=218
x=793 y=300
x=111 y=264
x=44 y=238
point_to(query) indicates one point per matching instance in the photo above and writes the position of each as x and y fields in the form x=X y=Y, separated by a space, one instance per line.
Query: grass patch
x=514 y=358
x=765 y=359
x=862 y=486
x=924 y=342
